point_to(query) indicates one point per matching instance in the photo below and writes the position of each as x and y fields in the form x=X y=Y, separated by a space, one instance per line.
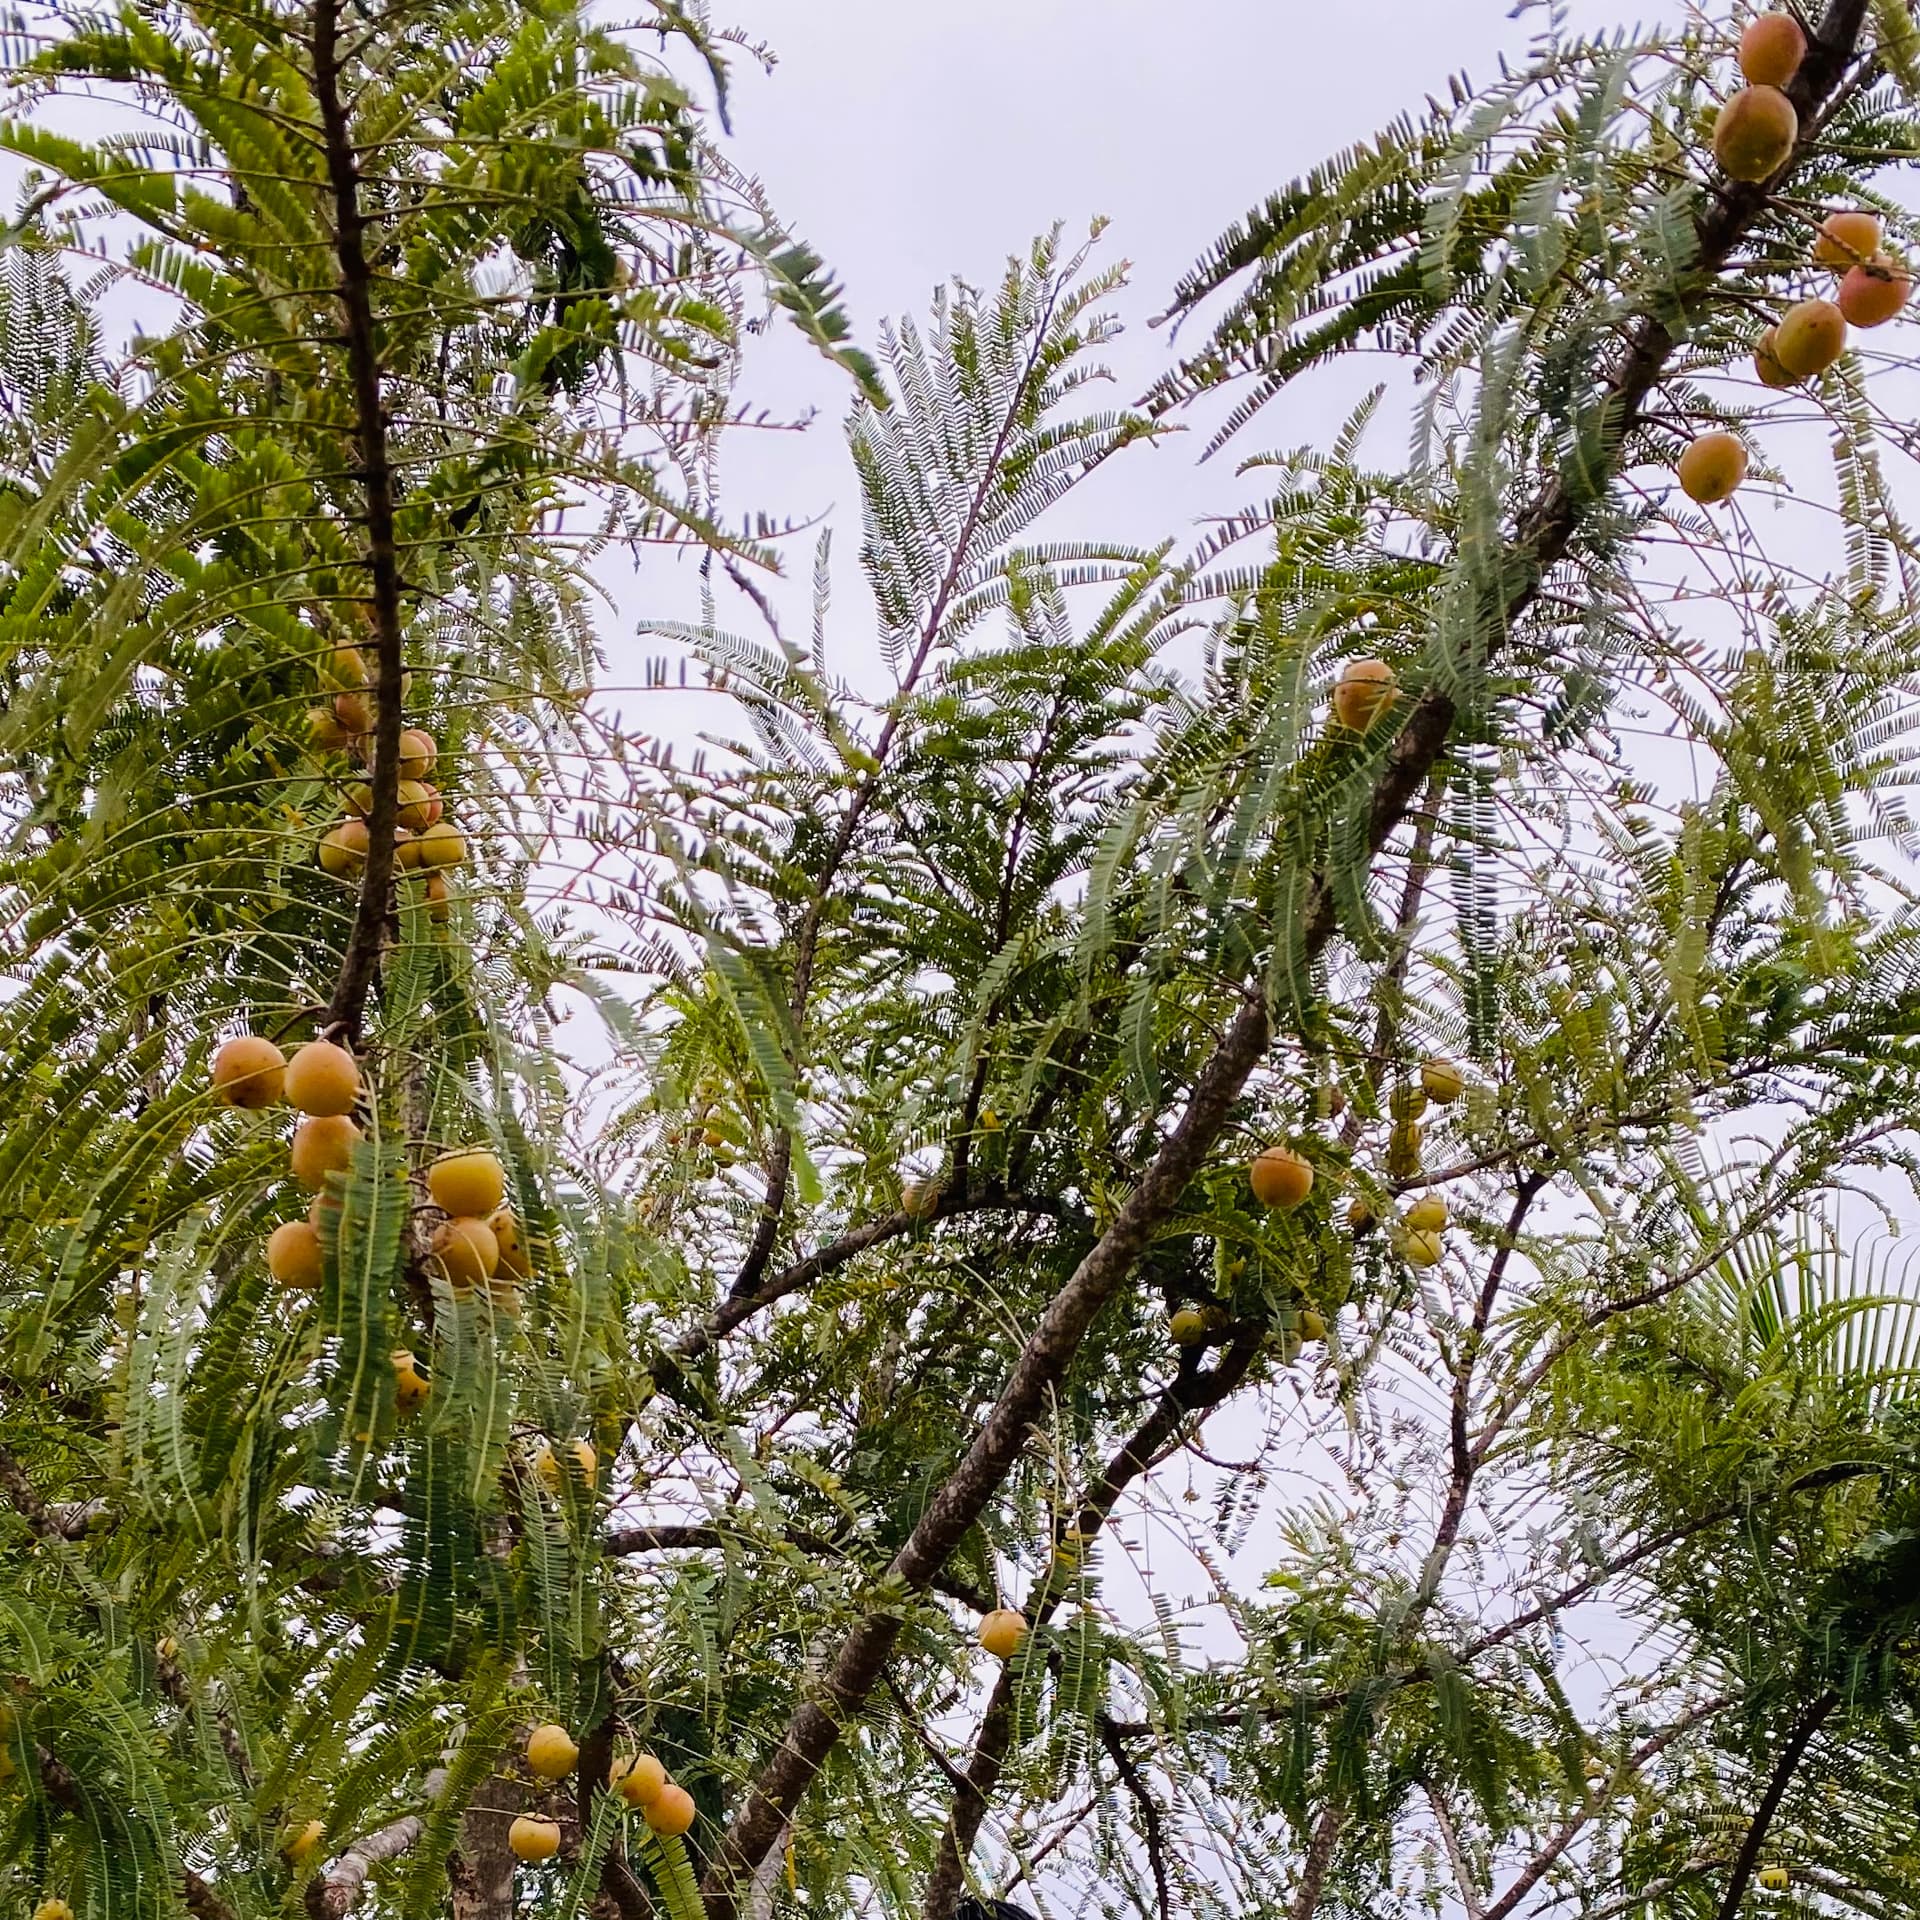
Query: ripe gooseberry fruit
x=465 y=1251
x=1403 y=1150
x=343 y=852
x=1408 y=1101
x=442 y=845
x=417 y=753
x=1422 y=1249
x=1428 y=1214
x=249 y=1071
x=512 y=1244
x=551 y=1752
x=1364 y=691
x=1312 y=1326
x=640 y=1778
x=353 y=713
x=1280 y=1178
x=671 y=1811
x=418 y=804
x=1002 y=1631
x=1712 y=469
x=1874 y=292
x=1766 y=361
x=1775 y=1879
x=410 y=1386
x=1771 y=50
x=1811 y=336
x=322 y=1079
x=1846 y=239
x=1360 y=1217
x=1188 y=1327
x=533 y=1840
x=585 y=1461
x=1755 y=134
x=53 y=1908
x=1442 y=1080
x=302 y=1846
x=919 y=1199
x=325 y=733
x=322 y=1144
x=294 y=1257
x=469 y=1181
x=439 y=898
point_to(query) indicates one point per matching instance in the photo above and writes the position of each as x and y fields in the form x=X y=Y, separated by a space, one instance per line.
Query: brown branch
x=1819 y=1709
x=331 y=1895
x=1151 y=1829
x=1318 y=1863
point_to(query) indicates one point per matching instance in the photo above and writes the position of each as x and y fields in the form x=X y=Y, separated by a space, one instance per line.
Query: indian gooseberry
x=551 y=1752
x=1363 y=692
x=1811 y=336
x=442 y=845
x=410 y=1387
x=322 y=1079
x=1442 y=1080
x=1312 y=1325
x=1874 y=292
x=532 y=1839
x=1428 y=1214
x=322 y=1144
x=439 y=898
x=671 y=1810
x=1408 y=1101
x=418 y=805
x=1403 y=1150
x=919 y=1199
x=1766 y=362
x=468 y=1181
x=406 y=849
x=302 y=1845
x=1188 y=1326
x=1280 y=1178
x=511 y=1242
x=343 y=851
x=417 y=753
x=353 y=712
x=465 y=1250
x=1002 y=1631
x=1775 y=1879
x=1754 y=136
x=639 y=1777
x=585 y=1462
x=324 y=731
x=1422 y=1249
x=358 y=799
x=1771 y=50
x=1712 y=468
x=1360 y=1216
x=294 y=1257
x=53 y=1908
x=348 y=667
x=249 y=1071
x=1846 y=239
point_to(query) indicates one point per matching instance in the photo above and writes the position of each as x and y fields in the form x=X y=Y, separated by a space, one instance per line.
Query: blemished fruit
x=343 y=852
x=1280 y=1178
x=1775 y=1879
x=322 y=1079
x=302 y=1845
x=465 y=1251
x=353 y=712
x=640 y=1778
x=294 y=1257
x=442 y=845
x=671 y=1811
x=551 y=1752
x=1422 y=1249
x=1755 y=134
x=1442 y=1080
x=1771 y=50
x=468 y=1181
x=1811 y=336
x=322 y=1145
x=1428 y=1214
x=249 y=1071
x=439 y=898
x=418 y=805
x=1188 y=1327
x=512 y=1244
x=1874 y=292
x=1002 y=1631
x=53 y=1909
x=1712 y=469
x=417 y=753
x=1313 y=1326
x=1363 y=692
x=410 y=1385
x=919 y=1199
x=1846 y=239
x=1766 y=361
x=533 y=1840
x=325 y=733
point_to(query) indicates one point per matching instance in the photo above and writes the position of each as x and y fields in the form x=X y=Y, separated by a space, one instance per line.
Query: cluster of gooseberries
x=1753 y=138
x=425 y=842
x=639 y=1778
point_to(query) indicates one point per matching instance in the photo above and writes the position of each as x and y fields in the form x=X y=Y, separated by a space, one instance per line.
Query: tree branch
x=1318 y=1863
x=1150 y=1825
x=1817 y=1713
x=332 y=1894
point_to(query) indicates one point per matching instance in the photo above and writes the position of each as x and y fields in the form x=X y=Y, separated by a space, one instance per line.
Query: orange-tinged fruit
x=1428 y=1214
x=551 y=1752
x=324 y=731
x=1872 y=294
x=1280 y=1178
x=418 y=805
x=468 y=1181
x=442 y=845
x=465 y=1250
x=302 y=1846
x=1771 y=50
x=353 y=712
x=1847 y=238
x=1364 y=691
x=1002 y=1631
x=294 y=1257
x=671 y=1811
x=249 y=1071
x=322 y=1144
x=439 y=898
x=417 y=753
x=1766 y=361
x=322 y=1079
x=1811 y=336
x=1422 y=1249
x=512 y=1244
x=533 y=1840
x=1188 y=1326
x=1755 y=134
x=640 y=1778
x=343 y=852
x=1712 y=468
x=1442 y=1080
x=410 y=1386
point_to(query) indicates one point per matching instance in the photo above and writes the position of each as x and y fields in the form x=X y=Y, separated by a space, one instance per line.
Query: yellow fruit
x=53 y=1908
x=512 y=1244
x=439 y=898
x=322 y=1145
x=1874 y=292
x=418 y=805
x=1775 y=1879
x=348 y=667
x=406 y=849
x=1364 y=691
x=468 y=1181
x=1811 y=336
x=358 y=799
x=1313 y=1326
x=249 y=1072
x=533 y=1840
x=294 y=1257
x=1755 y=134
x=1771 y=50
x=1712 y=469
x=442 y=845
x=1403 y=1150
x=1442 y=1081
x=343 y=852
x=353 y=713
x=1766 y=362
x=1422 y=1249
x=1407 y=1102
x=1280 y=1178
x=304 y=1845
x=465 y=1251
x=1360 y=1217
x=410 y=1386
x=1002 y=1631
x=325 y=732
x=322 y=1079
x=551 y=1752
x=919 y=1199
x=417 y=753
x=1188 y=1327
x=640 y=1778
x=1846 y=239
x=671 y=1811
x=580 y=1453
x=1428 y=1214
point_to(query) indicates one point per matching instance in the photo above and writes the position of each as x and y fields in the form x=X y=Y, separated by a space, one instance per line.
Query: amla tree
x=912 y=1232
